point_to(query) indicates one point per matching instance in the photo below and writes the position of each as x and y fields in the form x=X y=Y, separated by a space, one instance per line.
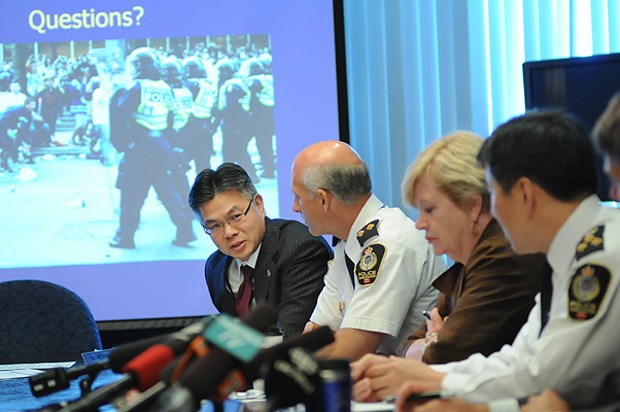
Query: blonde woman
x=488 y=293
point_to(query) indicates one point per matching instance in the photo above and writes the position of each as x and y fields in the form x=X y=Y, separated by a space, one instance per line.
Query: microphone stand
x=101 y=396
x=57 y=379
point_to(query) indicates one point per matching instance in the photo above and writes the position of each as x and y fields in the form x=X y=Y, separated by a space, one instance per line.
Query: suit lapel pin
x=268 y=273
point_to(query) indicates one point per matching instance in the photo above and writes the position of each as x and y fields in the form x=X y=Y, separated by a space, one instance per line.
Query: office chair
x=42 y=321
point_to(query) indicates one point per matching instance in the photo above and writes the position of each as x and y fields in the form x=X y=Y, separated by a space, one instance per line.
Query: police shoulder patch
x=587 y=290
x=591 y=242
x=369 y=265
x=367 y=232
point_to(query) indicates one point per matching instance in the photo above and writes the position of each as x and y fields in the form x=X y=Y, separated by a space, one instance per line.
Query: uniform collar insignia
x=591 y=242
x=368 y=231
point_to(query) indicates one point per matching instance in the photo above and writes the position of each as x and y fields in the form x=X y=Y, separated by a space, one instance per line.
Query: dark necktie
x=244 y=294
x=546 y=291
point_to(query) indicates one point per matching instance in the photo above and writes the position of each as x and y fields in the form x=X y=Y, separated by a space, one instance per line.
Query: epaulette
x=591 y=242
x=367 y=232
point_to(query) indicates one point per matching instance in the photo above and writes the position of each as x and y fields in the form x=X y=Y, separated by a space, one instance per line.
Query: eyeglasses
x=235 y=220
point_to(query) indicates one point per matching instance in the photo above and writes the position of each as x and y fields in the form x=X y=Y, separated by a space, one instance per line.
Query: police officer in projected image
x=380 y=279
x=258 y=258
x=49 y=102
x=541 y=173
x=201 y=125
x=259 y=81
x=232 y=114
x=141 y=126
x=20 y=126
x=172 y=73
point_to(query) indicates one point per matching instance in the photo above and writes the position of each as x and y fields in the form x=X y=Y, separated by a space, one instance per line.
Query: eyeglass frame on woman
x=233 y=221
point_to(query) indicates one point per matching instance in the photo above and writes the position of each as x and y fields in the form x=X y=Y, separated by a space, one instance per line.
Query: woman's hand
x=435 y=323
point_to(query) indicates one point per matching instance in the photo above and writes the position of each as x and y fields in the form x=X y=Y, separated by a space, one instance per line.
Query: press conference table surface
x=15 y=395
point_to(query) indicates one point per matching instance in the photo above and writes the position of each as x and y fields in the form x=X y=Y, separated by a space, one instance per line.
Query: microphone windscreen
x=122 y=354
x=312 y=341
x=203 y=376
x=147 y=366
x=178 y=342
x=291 y=378
x=262 y=317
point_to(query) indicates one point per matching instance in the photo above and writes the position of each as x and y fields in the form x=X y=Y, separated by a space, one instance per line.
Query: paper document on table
x=371 y=406
x=24 y=370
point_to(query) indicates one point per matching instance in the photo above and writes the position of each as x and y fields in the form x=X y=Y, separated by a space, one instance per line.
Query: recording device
x=143 y=370
x=292 y=378
x=231 y=342
x=148 y=365
x=312 y=341
x=58 y=379
x=241 y=378
x=426 y=314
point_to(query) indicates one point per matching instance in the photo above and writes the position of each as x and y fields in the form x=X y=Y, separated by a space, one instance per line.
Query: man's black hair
x=549 y=147
x=227 y=177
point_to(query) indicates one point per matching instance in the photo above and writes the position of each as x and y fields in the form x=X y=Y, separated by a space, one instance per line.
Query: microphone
x=143 y=370
x=312 y=341
x=292 y=378
x=58 y=379
x=122 y=354
x=231 y=342
x=170 y=374
x=241 y=379
x=169 y=347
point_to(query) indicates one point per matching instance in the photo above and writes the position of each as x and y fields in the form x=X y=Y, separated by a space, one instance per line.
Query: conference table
x=16 y=396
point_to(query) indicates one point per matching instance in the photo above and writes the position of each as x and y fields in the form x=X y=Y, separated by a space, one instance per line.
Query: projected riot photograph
x=101 y=140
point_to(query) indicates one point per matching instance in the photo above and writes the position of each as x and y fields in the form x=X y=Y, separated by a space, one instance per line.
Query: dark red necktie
x=244 y=295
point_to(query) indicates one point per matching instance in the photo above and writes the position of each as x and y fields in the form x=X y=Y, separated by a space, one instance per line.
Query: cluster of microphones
x=210 y=360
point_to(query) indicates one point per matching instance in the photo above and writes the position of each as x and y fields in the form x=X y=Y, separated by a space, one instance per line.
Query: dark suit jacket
x=487 y=300
x=289 y=273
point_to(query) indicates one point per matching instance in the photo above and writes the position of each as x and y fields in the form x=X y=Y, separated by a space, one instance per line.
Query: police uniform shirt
x=391 y=283
x=577 y=353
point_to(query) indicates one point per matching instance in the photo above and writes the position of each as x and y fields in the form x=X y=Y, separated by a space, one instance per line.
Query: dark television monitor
x=59 y=213
x=579 y=85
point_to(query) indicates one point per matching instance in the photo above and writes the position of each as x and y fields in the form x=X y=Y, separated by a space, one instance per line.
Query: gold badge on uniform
x=367 y=232
x=367 y=269
x=587 y=290
x=591 y=242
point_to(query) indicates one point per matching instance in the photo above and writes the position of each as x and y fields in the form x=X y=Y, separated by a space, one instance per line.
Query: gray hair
x=345 y=181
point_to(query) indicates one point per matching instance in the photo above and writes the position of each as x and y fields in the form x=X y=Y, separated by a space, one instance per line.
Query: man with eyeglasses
x=258 y=258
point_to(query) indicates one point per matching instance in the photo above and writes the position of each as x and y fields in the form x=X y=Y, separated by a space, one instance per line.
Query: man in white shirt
x=542 y=179
x=379 y=281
